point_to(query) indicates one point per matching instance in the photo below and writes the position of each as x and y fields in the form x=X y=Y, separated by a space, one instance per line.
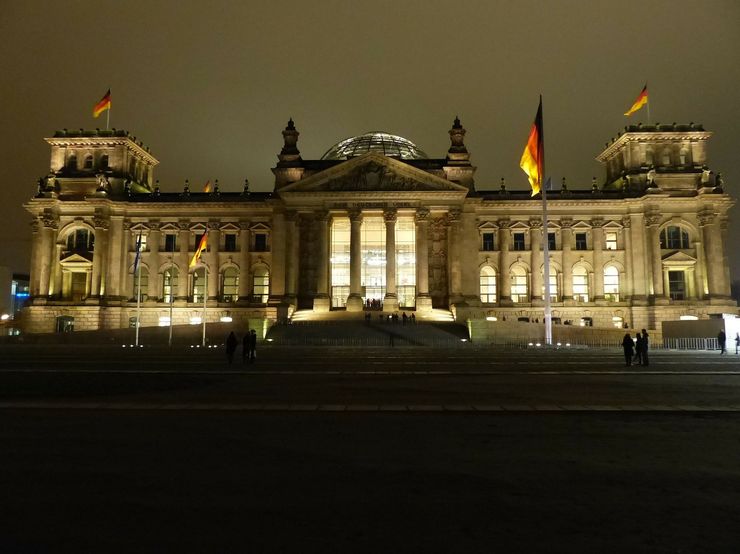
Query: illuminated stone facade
x=376 y=224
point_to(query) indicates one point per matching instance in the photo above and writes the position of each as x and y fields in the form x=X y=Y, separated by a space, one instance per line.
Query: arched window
x=519 y=286
x=580 y=284
x=684 y=156
x=199 y=285
x=666 y=157
x=104 y=161
x=141 y=282
x=261 y=285
x=487 y=284
x=72 y=162
x=611 y=284
x=674 y=237
x=230 y=285
x=169 y=284
x=80 y=240
x=88 y=161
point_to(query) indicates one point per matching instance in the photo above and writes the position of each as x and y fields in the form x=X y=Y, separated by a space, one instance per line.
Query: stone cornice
x=650 y=136
x=109 y=142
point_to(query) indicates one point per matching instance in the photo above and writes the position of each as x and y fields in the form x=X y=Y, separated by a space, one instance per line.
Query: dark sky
x=210 y=85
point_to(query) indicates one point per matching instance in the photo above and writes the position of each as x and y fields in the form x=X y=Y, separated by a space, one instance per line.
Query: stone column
x=152 y=243
x=56 y=287
x=244 y=277
x=711 y=229
x=566 y=232
x=597 y=227
x=214 y=238
x=97 y=282
x=113 y=287
x=653 y=220
x=423 y=300
x=626 y=279
x=390 y=302
x=321 y=301
x=48 y=259
x=354 y=302
x=699 y=274
x=639 y=258
x=291 y=257
x=538 y=278
x=33 y=283
x=454 y=218
x=126 y=288
x=183 y=259
x=278 y=270
x=504 y=279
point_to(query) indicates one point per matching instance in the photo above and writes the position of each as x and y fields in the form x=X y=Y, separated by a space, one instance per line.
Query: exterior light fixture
x=491 y=318
x=226 y=319
x=195 y=320
x=4 y=317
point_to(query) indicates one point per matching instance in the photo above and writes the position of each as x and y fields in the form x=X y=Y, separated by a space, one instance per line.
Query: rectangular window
x=339 y=261
x=519 y=241
x=581 y=243
x=230 y=242
x=406 y=261
x=142 y=238
x=170 y=242
x=519 y=291
x=551 y=244
x=676 y=285
x=488 y=242
x=611 y=240
x=198 y=238
x=260 y=242
x=372 y=274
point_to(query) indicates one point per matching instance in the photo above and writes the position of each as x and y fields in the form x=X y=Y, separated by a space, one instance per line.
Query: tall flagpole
x=545 y=242
x=205 y=300
x=107 y=119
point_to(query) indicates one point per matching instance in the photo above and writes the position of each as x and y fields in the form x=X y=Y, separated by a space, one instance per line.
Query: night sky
x=210 y=85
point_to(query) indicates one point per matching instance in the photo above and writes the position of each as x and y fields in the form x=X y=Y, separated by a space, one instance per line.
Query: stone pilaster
x=390 y=302
x=640 y=267
x=566 y=236
x=49 y=256
x=153 y=240
x=717 y=280
x=423 y=300
x=114 y=252
x=36 y=239
x=244 y=277
x=97 y=284
x=354 y=301
x=504 y=279
x=597 y=228
x=652 y=221
x=214 y=243
x=626 y=283
x=183 y=259
x=292 y=240
x=321 y=302
x=454 y=218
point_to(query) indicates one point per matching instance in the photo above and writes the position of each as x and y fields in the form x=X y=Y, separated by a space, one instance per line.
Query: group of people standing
x=636 y=350
x=249 y=346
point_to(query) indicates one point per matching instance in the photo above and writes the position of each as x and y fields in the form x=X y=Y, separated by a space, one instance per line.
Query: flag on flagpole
x=138 y=252
x=533 y=158
x=640 y=101
x=203 y=243
x=103 y=105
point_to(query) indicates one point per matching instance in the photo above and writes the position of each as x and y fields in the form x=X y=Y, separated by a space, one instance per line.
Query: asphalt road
x=414 y=450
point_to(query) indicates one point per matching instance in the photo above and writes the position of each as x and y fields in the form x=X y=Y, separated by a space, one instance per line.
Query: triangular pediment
x=679 y=259
x=75 y=259
x=373 y=172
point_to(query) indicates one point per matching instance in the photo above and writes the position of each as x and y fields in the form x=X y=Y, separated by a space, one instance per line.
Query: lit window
x=553 y=285
x=519 y=289
x=169 y=285
x=676 y=285
x=618 y=322
x=611 y=284
x=487 y=285
x=580 y=284
x=141 y=282
x=261 y=285
x=611 y=240
x=230 y=285
x=199 y=285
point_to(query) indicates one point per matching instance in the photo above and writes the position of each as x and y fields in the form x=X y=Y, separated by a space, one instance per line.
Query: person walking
x=638 y=349
x=252 y=345
x=737 y=343
x=629 y=349
x=231 y=343
x=722 y=340
x=645 y=343
x=246 y=341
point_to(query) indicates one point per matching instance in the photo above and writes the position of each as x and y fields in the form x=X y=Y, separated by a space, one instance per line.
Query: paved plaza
x=360 y=450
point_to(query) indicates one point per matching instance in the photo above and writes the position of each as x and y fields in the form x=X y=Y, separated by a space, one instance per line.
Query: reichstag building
x=376 y=223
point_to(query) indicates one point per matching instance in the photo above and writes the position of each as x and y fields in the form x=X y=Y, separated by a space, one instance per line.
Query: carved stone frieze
x=50 y=221
x=626 y=222
x=390 y=215
x=422 y=215
x=652 y=219
x=705 y=218
x=535 y=223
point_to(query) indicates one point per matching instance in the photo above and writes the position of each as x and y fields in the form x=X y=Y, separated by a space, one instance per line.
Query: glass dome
x=383 y=143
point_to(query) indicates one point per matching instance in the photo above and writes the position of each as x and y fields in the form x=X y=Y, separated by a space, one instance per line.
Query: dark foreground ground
x=554 y=454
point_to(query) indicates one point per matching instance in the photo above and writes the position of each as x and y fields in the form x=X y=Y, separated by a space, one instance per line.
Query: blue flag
x=138 y=252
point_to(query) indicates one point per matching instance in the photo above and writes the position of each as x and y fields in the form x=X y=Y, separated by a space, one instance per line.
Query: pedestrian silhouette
x=231 y=343
x=252 y=345
x=629 y=349
x=645 y=344
x=722 y=340
x=737 y=342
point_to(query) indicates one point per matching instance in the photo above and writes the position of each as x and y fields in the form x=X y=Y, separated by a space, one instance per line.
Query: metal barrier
x=691 y=343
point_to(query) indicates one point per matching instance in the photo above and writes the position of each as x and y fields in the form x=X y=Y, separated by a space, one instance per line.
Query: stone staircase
x=351 y=329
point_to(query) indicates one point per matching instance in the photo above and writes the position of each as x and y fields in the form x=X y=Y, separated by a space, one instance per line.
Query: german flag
x=641 y=100
x=103 y=105
x=533 y=158
x=203 y=243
